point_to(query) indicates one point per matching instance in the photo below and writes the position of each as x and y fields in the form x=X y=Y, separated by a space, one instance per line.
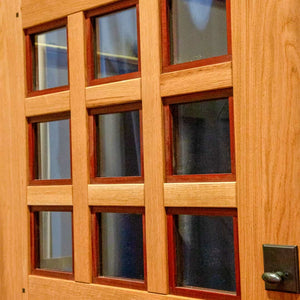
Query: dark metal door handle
x=274 y=277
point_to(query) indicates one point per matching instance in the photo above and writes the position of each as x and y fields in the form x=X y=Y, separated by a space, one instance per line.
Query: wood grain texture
x=42 y=288
x=205 y=194
x=266 y=76
x=80 y=153
x=49 y=195
x=47 y=104
x=113 y=93
x=116 y=194
x=14 y=215
x=36 y=12
x=153 y=133
x=198 y=79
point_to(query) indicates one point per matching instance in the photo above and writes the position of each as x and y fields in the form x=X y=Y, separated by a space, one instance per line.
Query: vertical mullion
x=80 y=154
x=154 y=165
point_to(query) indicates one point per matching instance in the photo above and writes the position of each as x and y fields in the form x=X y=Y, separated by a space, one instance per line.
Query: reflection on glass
x=50 y=59
x=118 y=144
x=116 y=43
x=201 y=137
x=53 y=150
x=121 y=248
x=55 y=241
x=205 y=252
x=197 y=29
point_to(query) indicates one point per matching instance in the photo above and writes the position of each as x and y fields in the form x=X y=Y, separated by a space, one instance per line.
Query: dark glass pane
x=116 y=43
x=50 y=59
x=118 y=144
x=53 y=150
x=121 y=252
x=55 y=230
x=205 y=252
x=197 y=29
x=201 y=137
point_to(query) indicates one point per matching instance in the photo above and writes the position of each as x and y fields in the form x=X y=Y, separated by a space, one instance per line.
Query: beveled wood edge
x=205 y=194
x=47 y=104
x=58 y=195
x=205 y=78
x=116 y=194
x=114 y=93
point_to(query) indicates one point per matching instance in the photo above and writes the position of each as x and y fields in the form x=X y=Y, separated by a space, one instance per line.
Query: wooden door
x=264 y=75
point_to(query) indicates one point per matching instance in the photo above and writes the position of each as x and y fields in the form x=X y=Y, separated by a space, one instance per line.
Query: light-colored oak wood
x=49 y=195
x=266 y=80
x=198 y=79
x=113 y=93
x=14 y=237
x=36 y=12
x=153 y=144
x=47 y=104
x=205 y=194
x=116 y=194
x=80 y=153
x=42 y=288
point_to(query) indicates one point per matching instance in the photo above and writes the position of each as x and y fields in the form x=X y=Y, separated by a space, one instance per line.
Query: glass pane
x=55 y=230
x=205 y=252
x=50 y=59
x=53 y=150
x=116 y=43
x=118 y=144
x=121 y=248
x=201 y=137
x=197 y=29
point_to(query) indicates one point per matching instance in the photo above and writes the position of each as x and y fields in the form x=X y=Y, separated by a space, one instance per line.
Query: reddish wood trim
x=50 y=182
x=29 y=65
x=236 y=256
x=56 y=274
x=114 y=281
x=228 y=24
x=63 y=208
x=118 y=209
x=231 y=132
x=144 y=250
x=199 y=96
x=46 y=26
x=90 y=50
x=198 y=63
x=48 y=91
x=138 y=37
x=195 y=291
x=168 y=140
x=110 y=8
x=141 y=144
x=165 y=33
x=124 y=179
x=201 y=177
x=31 y=151
x=116 y=108
x=114 y=78
x=50 y=117
x=92 y=146
x=202 y=211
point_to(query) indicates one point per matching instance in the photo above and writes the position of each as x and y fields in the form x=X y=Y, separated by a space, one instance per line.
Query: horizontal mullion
x=114 y=93
x=59 y=195
x=205 y=78
x=47 y=104
x=204 y=194
x=116 y=194
x=38 y=12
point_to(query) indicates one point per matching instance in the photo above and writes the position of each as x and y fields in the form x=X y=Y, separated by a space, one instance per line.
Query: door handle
x=274 y=277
